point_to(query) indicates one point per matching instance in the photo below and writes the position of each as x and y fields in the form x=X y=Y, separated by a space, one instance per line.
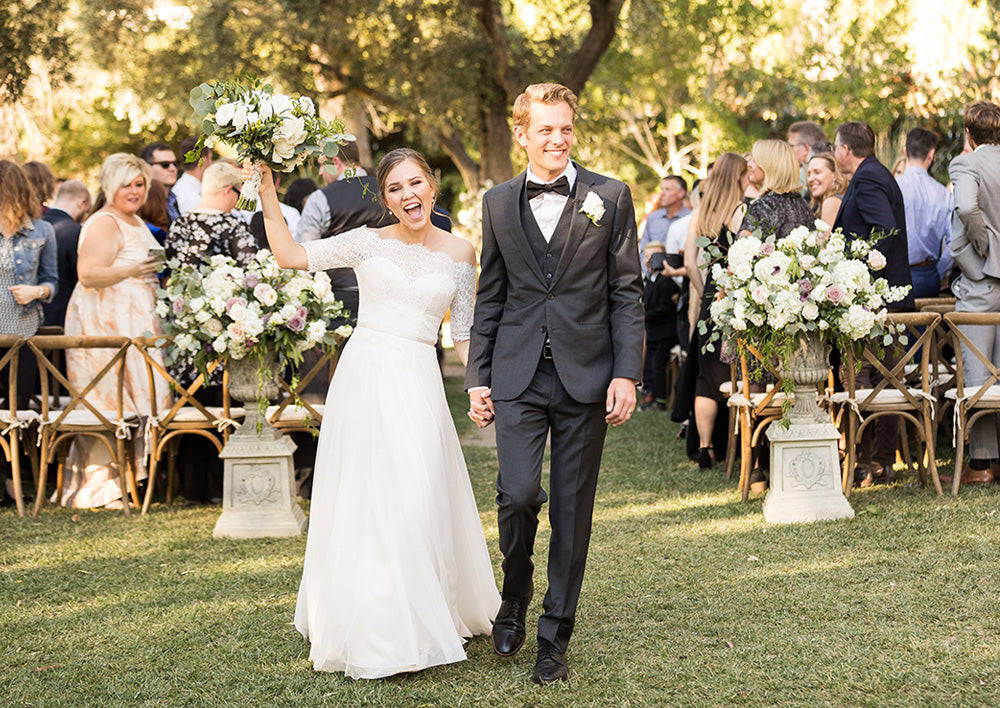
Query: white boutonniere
x=593 y=208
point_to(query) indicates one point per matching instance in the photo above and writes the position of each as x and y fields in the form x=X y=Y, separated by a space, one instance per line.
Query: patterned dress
x=126 y=308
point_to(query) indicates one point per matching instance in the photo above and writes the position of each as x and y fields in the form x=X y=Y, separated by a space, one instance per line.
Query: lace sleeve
x=463 y=304
x=345 y=250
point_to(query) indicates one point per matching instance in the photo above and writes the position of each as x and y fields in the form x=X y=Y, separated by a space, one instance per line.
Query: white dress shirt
x=187 y=189
x=548 y=206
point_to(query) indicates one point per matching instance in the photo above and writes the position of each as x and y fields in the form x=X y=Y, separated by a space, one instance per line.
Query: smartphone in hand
x=159 y=254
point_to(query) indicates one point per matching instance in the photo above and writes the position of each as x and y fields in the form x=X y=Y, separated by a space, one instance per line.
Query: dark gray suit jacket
x=591 y=310
x=975 y=224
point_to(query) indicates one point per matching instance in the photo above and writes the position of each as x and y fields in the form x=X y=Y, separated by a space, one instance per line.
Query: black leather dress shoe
x=550 y=665
x=508 y=627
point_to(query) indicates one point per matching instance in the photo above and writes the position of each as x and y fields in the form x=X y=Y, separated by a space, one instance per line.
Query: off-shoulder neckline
x=433 y=252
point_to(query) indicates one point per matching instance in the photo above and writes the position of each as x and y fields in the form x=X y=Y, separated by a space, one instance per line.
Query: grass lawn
x=689 y=600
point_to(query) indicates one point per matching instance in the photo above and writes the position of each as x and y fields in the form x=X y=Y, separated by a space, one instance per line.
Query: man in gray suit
x=556 y=349
x=975 y=246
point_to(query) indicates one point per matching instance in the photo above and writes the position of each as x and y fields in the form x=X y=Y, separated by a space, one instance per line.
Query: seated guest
x=928 y=205
x=827 y=185
x=774 y=171
x=70 y=207
x=115 y=296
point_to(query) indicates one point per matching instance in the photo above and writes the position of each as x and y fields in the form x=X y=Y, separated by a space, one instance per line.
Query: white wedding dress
x=396 y=572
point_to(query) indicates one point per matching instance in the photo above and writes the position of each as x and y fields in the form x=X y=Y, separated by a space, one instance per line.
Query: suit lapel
x=512 y=205
x=579 y=222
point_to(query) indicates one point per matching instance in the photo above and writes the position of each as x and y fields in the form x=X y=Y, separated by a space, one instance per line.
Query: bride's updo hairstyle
x=397 y=157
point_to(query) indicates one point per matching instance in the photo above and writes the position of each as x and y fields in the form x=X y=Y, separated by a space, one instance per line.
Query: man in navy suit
x=556 y=349
x=873 y=205
x=71 y=205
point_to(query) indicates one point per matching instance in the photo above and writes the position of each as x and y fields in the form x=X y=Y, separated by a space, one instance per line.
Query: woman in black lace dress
x=774 y=170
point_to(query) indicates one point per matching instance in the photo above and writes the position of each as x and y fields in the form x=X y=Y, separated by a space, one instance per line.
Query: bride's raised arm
x=287 y=253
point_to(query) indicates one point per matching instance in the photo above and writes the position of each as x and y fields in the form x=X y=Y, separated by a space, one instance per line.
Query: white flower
x=185 y=341
x=760 y=294
x=224 y=113
x=306 y=105
x=321 y=285
x=238 y=312
x=265 y=294
x=876 y=261
x=162 y=309
x=213 y=327
x=315 y=331
x=821 y=225
x=219 y=344
x=593 y=208
x=810 y=310
x=236 y=332
x=281 y=104
x=343 y=330
x=240 y=117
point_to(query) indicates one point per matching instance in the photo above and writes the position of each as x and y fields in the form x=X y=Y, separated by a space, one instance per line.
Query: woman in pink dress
x=115 y=296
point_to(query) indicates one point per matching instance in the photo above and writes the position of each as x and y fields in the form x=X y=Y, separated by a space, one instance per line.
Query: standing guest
x=163 y=163
x=115 y=296
x=928 y=205
x=292 y=214
x=899 y=167
x=976 y=248
x=827 y=185
x=556 y=350
x=659 y=299
x=804 y=137
x=187 y=188
x=70 y=207
x=873 y=203
x=673 y=190
x=42 y=181
x=28 y=276
x=717 y=217
x=396 y=571
x=873 y=206
x=346 y=202
x=772 y=168
x=154 y=211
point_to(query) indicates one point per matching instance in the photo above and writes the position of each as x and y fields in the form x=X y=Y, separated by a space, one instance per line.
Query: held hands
x=481 y=407
x=620 y=402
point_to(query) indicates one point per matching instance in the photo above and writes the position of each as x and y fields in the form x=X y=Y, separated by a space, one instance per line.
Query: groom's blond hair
x=541 y=93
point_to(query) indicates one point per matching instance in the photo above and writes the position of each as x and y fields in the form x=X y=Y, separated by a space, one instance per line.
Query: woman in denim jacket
x=28 y=271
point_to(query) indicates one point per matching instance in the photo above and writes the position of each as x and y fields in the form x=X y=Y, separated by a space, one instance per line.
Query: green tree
x=30 y=31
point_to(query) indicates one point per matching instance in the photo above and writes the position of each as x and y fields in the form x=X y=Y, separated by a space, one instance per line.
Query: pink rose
x=835 y=294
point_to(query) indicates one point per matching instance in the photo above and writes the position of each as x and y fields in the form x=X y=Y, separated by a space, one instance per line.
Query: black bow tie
x=560 y=186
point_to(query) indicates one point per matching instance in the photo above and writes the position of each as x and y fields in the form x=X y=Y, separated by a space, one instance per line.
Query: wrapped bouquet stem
x=264 y=127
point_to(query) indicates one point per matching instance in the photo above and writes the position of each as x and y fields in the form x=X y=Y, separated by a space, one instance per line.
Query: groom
x=556 y=350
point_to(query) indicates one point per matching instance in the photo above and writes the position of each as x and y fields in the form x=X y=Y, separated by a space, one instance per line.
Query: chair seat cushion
x=992 y=393
x=294 y=413
x=885 y=397
x=190 y=414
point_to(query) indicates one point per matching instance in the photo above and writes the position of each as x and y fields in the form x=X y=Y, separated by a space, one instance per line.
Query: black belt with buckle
x=547 y=350
x=924 y=263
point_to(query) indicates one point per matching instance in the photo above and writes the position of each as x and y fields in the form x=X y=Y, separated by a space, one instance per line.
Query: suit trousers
x=980 y=296
x=577 y=440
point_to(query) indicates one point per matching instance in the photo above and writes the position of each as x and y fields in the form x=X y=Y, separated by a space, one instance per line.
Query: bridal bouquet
x=264 y=127
x=772 y=291
x=220 y=309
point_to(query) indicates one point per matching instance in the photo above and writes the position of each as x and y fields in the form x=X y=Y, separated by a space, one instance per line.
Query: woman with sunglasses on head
x=211 y=229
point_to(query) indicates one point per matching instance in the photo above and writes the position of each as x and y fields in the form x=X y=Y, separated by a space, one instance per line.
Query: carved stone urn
x=258 y=494
x=805 y=468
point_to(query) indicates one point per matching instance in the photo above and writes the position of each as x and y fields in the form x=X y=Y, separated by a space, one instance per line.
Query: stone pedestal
x=805 y=469
x=805 y=475
x=258 y=492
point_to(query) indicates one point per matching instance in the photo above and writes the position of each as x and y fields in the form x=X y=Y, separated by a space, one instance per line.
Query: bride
x=396 y=571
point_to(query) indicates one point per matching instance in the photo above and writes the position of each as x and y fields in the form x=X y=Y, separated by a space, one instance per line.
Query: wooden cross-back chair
x=14 y=418
x=79 y=417
x=187 y=415
x=303 y=415
x=752 y=411
x=896 y=394
x=970 y=402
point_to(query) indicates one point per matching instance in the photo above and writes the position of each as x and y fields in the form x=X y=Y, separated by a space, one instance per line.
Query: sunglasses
x=165 y=164
x=236 y=190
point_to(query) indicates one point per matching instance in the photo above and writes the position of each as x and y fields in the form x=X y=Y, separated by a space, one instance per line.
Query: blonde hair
x=839 y=185
x=655 y=247
x=220 y=176
x=721 y=193
x=781 y=168
x=119 y=170
x=541 y=93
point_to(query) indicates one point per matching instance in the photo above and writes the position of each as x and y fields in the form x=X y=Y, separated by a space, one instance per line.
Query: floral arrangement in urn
x=264 y=127
x=774 y=291
x=220 y=309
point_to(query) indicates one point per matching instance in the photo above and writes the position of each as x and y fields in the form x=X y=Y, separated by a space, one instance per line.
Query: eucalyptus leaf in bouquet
x=267 y=128
x=221 y=310
x=771 y=291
